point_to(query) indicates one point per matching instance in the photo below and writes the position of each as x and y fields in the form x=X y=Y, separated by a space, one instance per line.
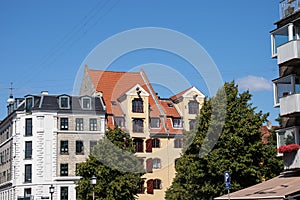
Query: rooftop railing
x=288 y=7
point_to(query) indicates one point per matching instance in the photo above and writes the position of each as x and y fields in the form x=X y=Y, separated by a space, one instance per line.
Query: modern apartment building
x=286 y=49
x=42 y=139
x=155 y=124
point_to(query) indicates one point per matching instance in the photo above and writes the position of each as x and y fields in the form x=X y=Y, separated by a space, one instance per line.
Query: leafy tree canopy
x=239 y=150
x=110 y=162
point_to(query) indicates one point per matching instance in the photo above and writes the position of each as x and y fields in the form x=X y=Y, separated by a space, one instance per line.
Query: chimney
x=44 y=93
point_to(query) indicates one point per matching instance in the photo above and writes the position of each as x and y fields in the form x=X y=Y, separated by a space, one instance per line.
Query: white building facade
x=42 y=139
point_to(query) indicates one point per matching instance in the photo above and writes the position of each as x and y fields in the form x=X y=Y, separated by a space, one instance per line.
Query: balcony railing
x=288 y=7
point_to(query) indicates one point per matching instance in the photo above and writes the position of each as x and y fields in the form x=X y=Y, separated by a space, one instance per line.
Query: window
x=138 y=145
x=79 y=147
x=138 y=126
x=157 y=184
x=64 y=147
x=27 y=192
x=64 y=102
x=86 y=102
x=28 y=149
x=64 y=193
x=141 y=189
x=79 y=124
x=193 y=107
x=178 y=143
x=28 y=103
x=155 y=143
x=28 y=173
x=120 y=121
x=177 y=122
x=192 y=124
x=92 y=144
x=28 y=127
x=63 y=169
x=154 y=122
x=93 y=124
x=137 y=105
x=287 y=136
x=156 y=163
x=64 y=123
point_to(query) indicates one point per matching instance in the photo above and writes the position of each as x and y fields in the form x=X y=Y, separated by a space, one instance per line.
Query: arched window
x=156 y=163
x=193 y=107
x=137 y=105
x=157 y=184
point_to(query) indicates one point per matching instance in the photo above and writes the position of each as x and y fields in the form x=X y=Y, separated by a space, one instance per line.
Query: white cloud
x=254 y=83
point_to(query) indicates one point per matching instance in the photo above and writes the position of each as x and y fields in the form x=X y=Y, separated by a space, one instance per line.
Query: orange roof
x=176 y=96
x=169 y=108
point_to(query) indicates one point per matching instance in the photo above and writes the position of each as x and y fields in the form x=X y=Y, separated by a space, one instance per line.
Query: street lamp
x=93 y=183
x=51 y=190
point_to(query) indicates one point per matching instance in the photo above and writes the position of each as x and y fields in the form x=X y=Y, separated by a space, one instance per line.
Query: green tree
x=117 y=170
x=239 y=150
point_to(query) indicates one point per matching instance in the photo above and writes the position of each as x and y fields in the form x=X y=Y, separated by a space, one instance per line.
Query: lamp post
x=93 y=183
x=51 y=190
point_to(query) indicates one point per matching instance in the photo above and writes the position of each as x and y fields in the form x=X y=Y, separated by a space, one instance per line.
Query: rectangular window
x=64 y=123
x=137 y=106
x=64 y=102
x=138 y=126
x=27 y=192
x=120 y=121
x=178 y=142
x=86 y=103
x=28 y=149
x=139 y=147
x=192 y=124
x=64 y=147
x=154 y=122
x=79 y=147
x=92 y=144
x=79 y=124
x=29 y=104
x=193 y=107
x=28 y=173
x=93 y=124
x=177 y=123
x=28 y=127
x=64 y=169
x=64 y=193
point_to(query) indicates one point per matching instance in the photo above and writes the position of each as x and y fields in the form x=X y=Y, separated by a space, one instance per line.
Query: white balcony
x=289 y=104
x=288 y=51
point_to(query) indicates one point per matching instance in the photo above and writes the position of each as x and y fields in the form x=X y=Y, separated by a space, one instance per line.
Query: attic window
x=86 y=102
x=64 y=102
x=170 y=105
x=29 y=103
x=113 y=103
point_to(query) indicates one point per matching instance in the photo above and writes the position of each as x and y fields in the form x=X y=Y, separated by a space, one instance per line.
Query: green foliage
x=113 y=182
x=239 y=150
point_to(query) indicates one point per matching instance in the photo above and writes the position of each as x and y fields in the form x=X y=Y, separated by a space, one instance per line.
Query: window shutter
x=149 y=145
x=149 y=165
x=150 y=186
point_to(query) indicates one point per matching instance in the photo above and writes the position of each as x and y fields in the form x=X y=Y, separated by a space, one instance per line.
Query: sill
x=79 y=153
x=64 y=153
x=26 y=182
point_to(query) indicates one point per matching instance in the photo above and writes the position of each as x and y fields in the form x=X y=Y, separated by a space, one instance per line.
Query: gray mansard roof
x=52 y=103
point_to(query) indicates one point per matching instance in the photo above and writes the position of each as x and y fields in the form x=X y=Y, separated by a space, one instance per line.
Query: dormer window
x=177 y=123
x=64 y=102
x=86 y=103
x=28 y=103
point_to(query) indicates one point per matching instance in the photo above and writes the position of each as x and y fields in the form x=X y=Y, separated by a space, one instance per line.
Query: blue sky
x=43 y=43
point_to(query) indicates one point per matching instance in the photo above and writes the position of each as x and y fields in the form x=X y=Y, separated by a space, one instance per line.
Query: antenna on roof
x=11 y=100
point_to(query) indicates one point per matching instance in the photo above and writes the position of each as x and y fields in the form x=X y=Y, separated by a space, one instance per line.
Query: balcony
x=288 y=51
x=288 y=7
x=287 y=94
x=290 y=105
